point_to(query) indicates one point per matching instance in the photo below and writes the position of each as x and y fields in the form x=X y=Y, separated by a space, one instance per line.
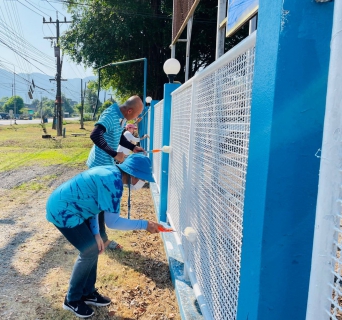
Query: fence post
x=151 y=129
x=140 y=129
x=142 y=125
x=164 y=168
x=288 y=102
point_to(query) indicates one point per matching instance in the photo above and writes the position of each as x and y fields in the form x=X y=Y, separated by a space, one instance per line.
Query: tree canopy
x=90 y=97
x=107 y=31
x=16 y=101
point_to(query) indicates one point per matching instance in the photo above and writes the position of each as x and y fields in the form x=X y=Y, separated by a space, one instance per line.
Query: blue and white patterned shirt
x=110 y=119
x=84 y=196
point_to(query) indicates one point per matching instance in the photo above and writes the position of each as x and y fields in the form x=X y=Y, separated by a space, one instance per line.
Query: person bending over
x=74 y=208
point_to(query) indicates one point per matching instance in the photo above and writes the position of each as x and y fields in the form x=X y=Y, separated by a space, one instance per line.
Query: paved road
x=34 y=121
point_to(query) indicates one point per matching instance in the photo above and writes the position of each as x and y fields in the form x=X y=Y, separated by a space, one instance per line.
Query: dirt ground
x=36 y=261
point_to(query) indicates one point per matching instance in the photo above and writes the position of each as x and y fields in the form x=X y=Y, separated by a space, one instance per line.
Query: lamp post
x=145 y=120
x=171 y=68
x=13 y=92
x=148 y=100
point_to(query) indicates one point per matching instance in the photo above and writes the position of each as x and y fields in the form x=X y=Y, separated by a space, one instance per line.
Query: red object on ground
x=163 y=229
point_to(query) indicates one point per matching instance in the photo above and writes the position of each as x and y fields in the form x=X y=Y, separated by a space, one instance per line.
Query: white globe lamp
x=148 y=99
x=171 y=68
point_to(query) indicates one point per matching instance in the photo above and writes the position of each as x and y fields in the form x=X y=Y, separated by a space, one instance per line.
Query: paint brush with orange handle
x=163 y=229
x=166 y=149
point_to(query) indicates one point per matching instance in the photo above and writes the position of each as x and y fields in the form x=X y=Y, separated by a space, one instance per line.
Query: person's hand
x=120 y=157
x=152 y=227
x=100 y=243
x=138 y=149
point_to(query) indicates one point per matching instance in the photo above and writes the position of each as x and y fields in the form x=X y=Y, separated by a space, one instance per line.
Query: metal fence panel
x=207 y=173
x=157 y=139
x=148 y=131
x=179 y=157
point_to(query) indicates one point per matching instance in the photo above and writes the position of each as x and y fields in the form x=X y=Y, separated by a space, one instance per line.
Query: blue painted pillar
x=164 y=168
x=140 y=126
x=288 y=103
x=153 y=103
x=143 y=127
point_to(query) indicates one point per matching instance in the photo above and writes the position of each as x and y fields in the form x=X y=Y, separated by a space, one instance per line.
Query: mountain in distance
x=45 y=86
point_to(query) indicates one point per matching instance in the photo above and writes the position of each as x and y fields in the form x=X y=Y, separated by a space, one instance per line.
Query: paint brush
x=166 y=149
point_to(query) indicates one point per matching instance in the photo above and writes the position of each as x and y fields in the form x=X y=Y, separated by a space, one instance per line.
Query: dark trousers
x=83 y=276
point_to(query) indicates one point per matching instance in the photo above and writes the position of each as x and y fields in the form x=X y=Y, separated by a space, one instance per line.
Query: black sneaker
x=79 y=308
x=96 y=299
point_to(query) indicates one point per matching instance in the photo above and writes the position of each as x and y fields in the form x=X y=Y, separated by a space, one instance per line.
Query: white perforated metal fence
x=207 y=172
x=148 y=116
x=157 y=139
x=179 y=157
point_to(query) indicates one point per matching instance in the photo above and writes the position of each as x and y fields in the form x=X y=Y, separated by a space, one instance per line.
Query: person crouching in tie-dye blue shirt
x=74 y=207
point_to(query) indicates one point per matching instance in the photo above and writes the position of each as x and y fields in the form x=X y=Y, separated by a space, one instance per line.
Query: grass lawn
x=23 y=145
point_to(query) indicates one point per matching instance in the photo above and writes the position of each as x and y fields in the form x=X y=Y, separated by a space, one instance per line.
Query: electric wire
x=10 y=35
x=26 y=55
x=155 y=16
x=28 y=68
x=55 y=8
x=11 y=22
x=30 y=8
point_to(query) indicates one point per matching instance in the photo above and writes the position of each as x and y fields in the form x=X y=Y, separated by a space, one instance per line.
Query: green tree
x=91 y=97
x=106 y=31
x=16 y=101
x=78 y=107
x=45 y=108
x=35 y=103
x=67 y=105
x=3 y=100
x=105 y=105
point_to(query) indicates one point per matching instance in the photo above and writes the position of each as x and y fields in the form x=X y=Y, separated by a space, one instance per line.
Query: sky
x=24 y=50
x=22 y=44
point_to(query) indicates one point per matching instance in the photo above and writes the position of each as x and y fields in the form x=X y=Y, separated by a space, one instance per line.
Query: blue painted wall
x=151 y=129
x=288 y=103
x=164 y=168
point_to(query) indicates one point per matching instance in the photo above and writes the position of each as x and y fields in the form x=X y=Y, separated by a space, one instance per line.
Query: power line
x=8 y=33
x=23 y=57
x=55 y=8
x=151 y=15
x=30 y=8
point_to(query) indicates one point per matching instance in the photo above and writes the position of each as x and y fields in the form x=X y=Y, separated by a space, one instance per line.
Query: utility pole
x=82 y=102
x=59 y=115
x=111 y=97
x=41 y=108
x=15 y=101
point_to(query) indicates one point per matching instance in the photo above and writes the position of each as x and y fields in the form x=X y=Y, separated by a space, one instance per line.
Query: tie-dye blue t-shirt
x=84 y=196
